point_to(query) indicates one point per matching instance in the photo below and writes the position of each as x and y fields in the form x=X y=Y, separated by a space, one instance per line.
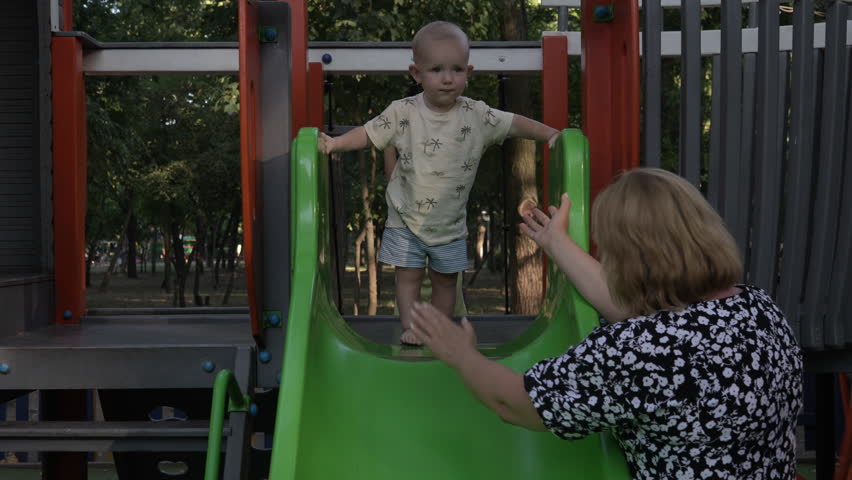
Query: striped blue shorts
x=402 y=248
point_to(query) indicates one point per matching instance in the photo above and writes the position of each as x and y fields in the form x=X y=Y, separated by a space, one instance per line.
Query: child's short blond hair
x=438 y=31
x=661 y=245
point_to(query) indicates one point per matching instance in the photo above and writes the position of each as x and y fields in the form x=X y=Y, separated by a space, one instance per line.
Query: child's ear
x=469 y=69
x=415 y=73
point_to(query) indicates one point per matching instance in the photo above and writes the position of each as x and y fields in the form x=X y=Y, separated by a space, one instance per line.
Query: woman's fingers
x=541 y=217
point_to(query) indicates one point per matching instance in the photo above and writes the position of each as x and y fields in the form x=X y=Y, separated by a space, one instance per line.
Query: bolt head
x=67 y=314
x=4 y=368
x=264 y=356
x=208 y=366
x=274 y=319
x=326 y=58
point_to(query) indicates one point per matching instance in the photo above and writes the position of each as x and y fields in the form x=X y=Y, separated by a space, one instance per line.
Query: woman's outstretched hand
x=545 y=230
x=449 y=342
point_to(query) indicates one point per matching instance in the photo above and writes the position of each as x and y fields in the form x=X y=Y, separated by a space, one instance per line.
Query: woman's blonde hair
x=661 y=245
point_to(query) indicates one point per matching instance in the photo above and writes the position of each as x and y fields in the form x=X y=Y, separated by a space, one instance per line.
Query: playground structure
x=49 y=342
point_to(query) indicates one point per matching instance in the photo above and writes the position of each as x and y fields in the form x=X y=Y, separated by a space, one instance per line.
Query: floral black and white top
x=712 y=391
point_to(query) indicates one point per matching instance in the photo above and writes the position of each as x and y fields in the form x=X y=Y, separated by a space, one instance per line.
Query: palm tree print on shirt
x=465 y=131
x=467 y=106
x=383 y=122
x=430 y=203
x=405 y=158
x=459 y=190
x=468 y=165
x=490 y=118
x=438 y=173
x=403 y=124
x=408 y=101
x=434 y=143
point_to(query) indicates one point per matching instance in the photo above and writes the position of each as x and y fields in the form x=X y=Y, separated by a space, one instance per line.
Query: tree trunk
x=357 y=295
x=132 y=238
x=167 y=262
x=232 y=258
x=181 y=264
x=524 y=261
x=198 y=256
x=373 y=304
x=91 y=250
x=108 y=274
x=155 y=252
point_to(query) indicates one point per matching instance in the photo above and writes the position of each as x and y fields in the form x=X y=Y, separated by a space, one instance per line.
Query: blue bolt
x=278 y=377
x=253 y=410
x=274 y=319
x=326 y=58
x=209 y=366
x=264 y=356
x=4 y=368
x=603 y=13
x=270 y=34
x=67 y=314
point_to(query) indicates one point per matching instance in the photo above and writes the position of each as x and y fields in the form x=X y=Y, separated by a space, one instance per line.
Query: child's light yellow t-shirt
x=437 y=157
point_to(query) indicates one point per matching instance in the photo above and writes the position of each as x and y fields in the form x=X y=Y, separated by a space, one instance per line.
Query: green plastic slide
x=350 y=408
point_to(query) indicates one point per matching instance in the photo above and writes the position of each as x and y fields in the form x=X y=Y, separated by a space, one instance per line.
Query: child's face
x=442 y=70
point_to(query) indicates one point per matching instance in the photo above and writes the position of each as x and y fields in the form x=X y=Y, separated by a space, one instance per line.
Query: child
x=439 y=136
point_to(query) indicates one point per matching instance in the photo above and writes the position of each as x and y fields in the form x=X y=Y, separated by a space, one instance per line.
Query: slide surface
x=350 y=408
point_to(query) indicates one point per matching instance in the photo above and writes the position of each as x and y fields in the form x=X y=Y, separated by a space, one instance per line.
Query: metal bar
x=383 y=58
x=798 y=178
x=224 y=389
x=841 y=280
x=767 y=179
x=731 y=117
x=829 y=168
x=746 y=167
x=715 y=181
x=665 y=3
x=652 y=80
x=690 y=94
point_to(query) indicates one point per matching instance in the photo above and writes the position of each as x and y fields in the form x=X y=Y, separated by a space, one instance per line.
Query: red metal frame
x=611 y=90
x=316 y=89
x=554 y=88
x=249 y=51
x=299 y=61
x=554 y=107
x=69 y=178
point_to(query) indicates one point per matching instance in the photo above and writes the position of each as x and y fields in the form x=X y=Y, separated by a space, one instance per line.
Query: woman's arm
x=551 y=233
x=498 y=387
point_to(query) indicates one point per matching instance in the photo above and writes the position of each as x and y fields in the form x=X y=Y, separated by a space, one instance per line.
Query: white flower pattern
x=712 y=391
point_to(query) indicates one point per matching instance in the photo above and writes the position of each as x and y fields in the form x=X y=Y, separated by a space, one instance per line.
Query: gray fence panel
x=731 y=118
x=830 y=169
x=652 y=80
x=798 y=178
x=767 y=179
x=690 y=93
x=715 y=169
x=842 y=304
x=746 y=166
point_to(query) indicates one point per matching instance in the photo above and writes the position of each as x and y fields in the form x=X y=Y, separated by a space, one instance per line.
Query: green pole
x=225 y=387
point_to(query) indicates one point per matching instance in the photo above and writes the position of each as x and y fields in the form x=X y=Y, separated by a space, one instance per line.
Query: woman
x=695 y=375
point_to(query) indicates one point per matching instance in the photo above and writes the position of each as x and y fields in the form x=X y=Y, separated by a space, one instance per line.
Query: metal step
x=171 y=436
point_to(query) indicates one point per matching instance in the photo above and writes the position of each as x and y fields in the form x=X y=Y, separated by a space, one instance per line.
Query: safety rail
x=224 y=387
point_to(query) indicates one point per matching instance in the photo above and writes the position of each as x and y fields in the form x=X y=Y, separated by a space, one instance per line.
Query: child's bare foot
x=409 y=339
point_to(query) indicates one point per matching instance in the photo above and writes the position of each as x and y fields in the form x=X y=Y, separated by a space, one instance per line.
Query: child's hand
x=552 y=140
x=449 y=342
x=546 y=230
x=325 y=144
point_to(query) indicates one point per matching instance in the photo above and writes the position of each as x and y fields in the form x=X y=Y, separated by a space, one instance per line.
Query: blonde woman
x=696 y=375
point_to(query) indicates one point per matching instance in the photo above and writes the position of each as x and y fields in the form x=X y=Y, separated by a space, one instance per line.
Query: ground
x=484 y=296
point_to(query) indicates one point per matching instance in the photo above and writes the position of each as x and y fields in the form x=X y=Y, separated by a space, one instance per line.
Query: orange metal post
x=299 y=62
x=69 y=178
x=316 y=88
x=249 y=51
x=554 y=108
x=611 y=89
x=554 y=91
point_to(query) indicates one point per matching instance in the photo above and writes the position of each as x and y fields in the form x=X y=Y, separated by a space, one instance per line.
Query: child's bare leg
x=408 y=281
x=443 y=291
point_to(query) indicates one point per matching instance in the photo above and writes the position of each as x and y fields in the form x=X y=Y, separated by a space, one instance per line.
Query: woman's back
x=711 y=391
